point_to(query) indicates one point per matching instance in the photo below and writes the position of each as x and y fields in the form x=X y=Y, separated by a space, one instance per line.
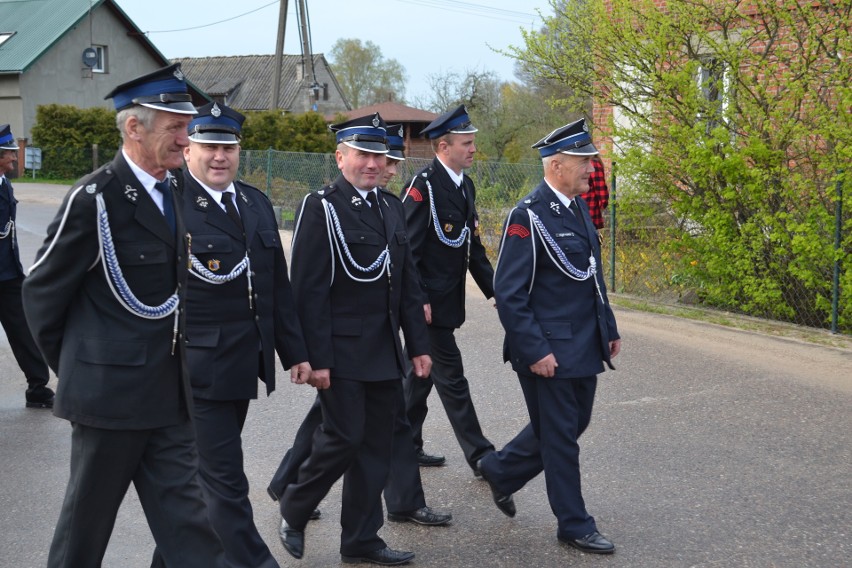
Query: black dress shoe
x=42 y=397
x=384 y=556
x=315 y=514
x=293 y=540
x=504 y=502
x=594 y=543
x=421 y=516
x=426 y=460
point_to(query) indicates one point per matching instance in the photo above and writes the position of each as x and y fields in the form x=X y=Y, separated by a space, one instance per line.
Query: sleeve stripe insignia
x=415 y=194
x=516 y=230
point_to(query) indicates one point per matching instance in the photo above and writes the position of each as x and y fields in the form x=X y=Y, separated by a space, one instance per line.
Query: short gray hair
x=143 y=114
x=547 y=159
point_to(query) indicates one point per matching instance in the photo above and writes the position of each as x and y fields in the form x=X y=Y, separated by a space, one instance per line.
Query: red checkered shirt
x=597 y=198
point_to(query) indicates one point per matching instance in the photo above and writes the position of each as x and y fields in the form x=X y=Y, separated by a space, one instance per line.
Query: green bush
x=66 y=134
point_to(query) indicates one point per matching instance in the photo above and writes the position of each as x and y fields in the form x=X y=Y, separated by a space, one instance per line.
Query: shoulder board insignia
x=528 y=201
x=321 y=192
x=515 y=230
x=91 y=188
x=415 y=194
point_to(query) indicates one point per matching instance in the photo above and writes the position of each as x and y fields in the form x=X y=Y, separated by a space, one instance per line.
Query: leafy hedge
x=66 y=134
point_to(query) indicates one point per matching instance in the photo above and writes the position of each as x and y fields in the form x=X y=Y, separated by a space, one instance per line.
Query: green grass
x=736 y=321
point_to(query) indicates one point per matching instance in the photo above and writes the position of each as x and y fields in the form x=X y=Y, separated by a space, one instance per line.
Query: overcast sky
x=428 y=37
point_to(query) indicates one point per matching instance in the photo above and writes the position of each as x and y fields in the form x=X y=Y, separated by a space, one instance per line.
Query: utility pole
x=279 y=55
x=307 y=54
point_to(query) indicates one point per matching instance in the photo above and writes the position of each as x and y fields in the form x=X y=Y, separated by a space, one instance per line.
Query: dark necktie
x=374 y=206
x=574 y=208
x=165 y=188
x=231 y=209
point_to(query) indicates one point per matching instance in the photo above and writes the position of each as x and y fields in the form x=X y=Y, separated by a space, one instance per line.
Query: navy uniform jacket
x=560 y=315
x=230 y=343
x=353 y=327
x=10 y=259
x=443 y=269
x=116 y=370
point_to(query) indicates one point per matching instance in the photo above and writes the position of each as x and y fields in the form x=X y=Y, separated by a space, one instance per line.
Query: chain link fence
x=638 y=257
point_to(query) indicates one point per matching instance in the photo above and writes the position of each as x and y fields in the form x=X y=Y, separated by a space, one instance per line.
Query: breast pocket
x=452 y=223
x=368 y=238
x=270 y=238
x=135 y=253
x=211 y=244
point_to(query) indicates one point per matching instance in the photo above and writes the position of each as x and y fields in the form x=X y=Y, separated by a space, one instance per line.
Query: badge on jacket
x=213 y=265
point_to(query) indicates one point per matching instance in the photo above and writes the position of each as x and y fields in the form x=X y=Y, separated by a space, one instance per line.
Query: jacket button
x=210 y=246
x=141 y=257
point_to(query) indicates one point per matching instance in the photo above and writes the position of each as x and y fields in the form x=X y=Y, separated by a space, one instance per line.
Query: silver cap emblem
x=216 y=111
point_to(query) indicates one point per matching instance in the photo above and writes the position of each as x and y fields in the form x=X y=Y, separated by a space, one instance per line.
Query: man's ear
x=132 y=127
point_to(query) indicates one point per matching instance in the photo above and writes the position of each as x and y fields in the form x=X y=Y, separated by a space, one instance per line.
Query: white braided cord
x=339 y=243
x=454 y=243
x=202 y=273
x=115 y=278
x=561 y=261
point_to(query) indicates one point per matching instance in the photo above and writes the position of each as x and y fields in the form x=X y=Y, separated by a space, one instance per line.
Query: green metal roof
x=38 y=24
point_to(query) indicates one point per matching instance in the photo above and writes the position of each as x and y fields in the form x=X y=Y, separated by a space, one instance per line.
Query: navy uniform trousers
x=11 y=308
x=560 y=411
x=404 y=469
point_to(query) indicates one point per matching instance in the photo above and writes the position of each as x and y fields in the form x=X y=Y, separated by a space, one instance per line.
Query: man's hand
x=427 y=311
x=614 y=347
x=300 y=373
x=320 y=379
x=422 y=365
x=545 y=367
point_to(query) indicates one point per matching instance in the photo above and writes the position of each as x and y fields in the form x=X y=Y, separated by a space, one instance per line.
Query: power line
x=475 y=9
x=214 y=23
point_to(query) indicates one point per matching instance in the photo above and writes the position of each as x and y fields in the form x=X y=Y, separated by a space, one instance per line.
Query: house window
x=4 y=36
x=714 y=83
x=101 y=65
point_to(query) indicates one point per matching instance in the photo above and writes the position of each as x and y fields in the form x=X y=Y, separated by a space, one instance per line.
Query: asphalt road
x=709 y=447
